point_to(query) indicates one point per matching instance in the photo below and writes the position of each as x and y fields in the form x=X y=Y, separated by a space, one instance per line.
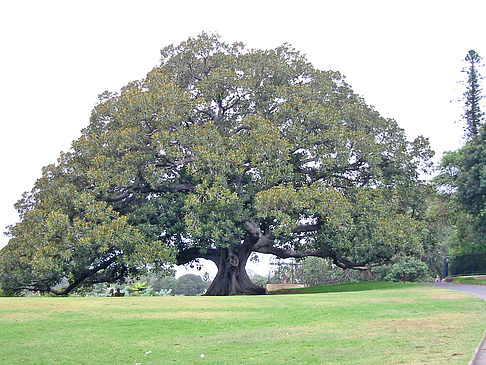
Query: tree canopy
x=219 y=152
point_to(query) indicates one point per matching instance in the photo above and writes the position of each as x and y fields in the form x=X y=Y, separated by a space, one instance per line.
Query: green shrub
x=138 y=287
x=414 y=269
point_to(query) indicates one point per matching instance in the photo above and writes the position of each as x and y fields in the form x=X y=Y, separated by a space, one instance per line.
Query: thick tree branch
x=129 y=194
x=172 y=189
x=87 y=274
x=288 y=253
x=325 y=253
x=242 y=128
x=119 y=197
x=116 y=273
x=190 y=254
x=267 y=238
x=304 y=228
x=253 y=229
x=209 y=113
x=170 y=163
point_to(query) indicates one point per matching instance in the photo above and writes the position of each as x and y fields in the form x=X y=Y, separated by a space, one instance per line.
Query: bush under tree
x=190 y=284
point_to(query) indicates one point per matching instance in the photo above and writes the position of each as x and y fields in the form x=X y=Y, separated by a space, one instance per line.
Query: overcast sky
x=403 y=57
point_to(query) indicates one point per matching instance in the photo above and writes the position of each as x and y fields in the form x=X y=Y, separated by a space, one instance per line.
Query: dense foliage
x=413 y=269
x=219 y=152
x=190 y=284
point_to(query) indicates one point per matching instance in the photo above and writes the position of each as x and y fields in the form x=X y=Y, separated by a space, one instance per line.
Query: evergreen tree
x=463 y=172
x=472 y=96
x=471 y=180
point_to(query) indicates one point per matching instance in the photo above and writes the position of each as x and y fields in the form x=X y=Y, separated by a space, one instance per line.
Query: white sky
x=403 y=57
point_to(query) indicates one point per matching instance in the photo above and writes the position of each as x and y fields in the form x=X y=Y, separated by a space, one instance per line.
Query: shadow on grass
x=344 y=287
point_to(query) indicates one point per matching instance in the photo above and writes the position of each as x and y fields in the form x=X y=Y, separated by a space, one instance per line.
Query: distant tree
x=158 y=281
x=190 y=284
x=259 y=279
x=165 y=283
x=317 y=271
x=220 y=152
x=439 y=230
x=286 y=273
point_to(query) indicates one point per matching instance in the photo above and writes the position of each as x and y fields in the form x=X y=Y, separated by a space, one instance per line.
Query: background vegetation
x=461 y=199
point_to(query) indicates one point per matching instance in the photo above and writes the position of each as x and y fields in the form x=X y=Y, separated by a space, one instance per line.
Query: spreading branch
x=325 y=253
x=190 y=254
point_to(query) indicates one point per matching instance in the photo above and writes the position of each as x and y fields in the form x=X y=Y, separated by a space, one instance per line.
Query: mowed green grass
x=400 y=324
x=470 y=280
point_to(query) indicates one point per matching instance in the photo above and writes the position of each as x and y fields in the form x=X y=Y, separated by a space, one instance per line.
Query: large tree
x=463 y=172
x=220 y=152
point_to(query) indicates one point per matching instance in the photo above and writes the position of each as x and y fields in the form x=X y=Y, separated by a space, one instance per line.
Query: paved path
x=479 y=291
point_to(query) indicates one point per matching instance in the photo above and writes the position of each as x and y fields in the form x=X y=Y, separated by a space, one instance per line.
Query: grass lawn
x=337 y=288
x=470 y=280
x=396 y=324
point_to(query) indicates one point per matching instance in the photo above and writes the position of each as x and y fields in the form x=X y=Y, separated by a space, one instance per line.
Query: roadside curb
x=479 y=357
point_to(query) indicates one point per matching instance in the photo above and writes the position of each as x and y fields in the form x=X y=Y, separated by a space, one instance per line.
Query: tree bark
x=232 y=278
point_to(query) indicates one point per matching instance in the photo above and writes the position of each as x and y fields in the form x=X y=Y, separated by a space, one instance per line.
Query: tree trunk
x=232 y=278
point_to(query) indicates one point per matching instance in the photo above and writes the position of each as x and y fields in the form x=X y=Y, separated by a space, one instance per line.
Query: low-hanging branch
x=326 y=253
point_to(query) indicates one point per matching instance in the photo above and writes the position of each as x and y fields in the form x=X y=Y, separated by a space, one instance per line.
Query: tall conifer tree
x=463 y=172
x=472 y=96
